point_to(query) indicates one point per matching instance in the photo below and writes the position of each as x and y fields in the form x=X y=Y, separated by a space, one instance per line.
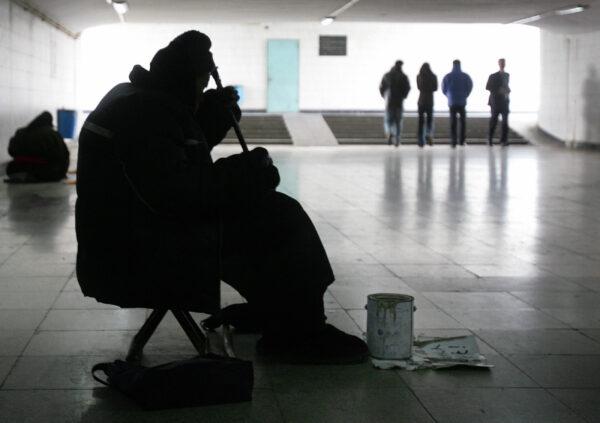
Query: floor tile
x=577 y=318
x=577 y=300
x=76 y=300
x=561 y=371
x=541 y=342
x=431 y=270
x=585 y=402
x=35 y=284
x=86 y=320
x=6 y=363
x=27 y=300
x=12 y=342
x=503 y=375
x=352 y=406
x=495 y=405
x=21 y=319
x=103 y=343
x=54 y=372
x=449 y=301
x=513 y=319
x=493 y=284
x=104 y=405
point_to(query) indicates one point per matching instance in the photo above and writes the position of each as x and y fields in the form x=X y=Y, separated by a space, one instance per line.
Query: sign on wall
x=332 y=45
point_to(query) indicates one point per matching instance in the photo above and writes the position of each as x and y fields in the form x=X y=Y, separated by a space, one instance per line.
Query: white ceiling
x=77 y=15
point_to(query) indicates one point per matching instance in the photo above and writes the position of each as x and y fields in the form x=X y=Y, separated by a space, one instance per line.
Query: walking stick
x=235 y=124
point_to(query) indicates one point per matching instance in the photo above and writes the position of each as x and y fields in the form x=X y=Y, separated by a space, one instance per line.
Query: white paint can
x=390 y=326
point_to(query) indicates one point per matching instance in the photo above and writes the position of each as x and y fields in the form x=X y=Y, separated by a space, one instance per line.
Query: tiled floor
x=501 y=243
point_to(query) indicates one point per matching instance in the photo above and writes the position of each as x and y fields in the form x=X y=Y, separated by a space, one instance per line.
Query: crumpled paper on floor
x=439 y=353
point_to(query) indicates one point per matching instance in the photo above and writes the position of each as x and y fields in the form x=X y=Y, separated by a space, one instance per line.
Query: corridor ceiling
x=77 y=15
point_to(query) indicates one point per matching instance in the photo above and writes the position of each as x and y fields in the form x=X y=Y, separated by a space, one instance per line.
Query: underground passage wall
x=37 y=70
x=570 y=87
x=347 y=82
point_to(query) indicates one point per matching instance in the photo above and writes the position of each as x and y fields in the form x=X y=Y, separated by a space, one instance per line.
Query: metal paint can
x=390 y=325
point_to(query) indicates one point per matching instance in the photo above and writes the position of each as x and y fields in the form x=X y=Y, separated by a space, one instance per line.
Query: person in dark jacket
x=497 y=85
x=427 y=84
x=39 y=153
x=394 y=88
x=159 y=223
x=457 y=85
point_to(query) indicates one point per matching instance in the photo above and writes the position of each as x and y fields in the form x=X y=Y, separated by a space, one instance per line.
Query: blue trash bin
x=66 y=122
x=240 y=90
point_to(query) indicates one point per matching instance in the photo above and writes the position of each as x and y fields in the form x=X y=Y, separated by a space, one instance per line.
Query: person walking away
x=457 y=85
x=497 y=85
x=427 y=84
x=394 y=88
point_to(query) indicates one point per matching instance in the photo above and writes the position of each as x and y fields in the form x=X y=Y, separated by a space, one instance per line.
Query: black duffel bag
x=204 y=380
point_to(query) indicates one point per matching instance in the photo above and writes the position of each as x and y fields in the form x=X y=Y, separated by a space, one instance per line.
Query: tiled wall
x=570 y=86
x=37 y=70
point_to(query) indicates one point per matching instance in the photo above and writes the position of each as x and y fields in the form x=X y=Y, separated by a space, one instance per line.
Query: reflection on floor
x=497 y=242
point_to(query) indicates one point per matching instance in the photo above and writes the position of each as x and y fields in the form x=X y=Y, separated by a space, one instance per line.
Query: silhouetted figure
x=159 y=224
x=497 y=85
x=591 y=114
x=39 y=153
x=457 y=85
x=394 y=88
x=428 y=84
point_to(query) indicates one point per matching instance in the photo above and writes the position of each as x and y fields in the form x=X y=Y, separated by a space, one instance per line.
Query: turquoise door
x=282 y=75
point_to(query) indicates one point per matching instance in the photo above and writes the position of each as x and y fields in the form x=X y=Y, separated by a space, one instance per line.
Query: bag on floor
x=205 y=380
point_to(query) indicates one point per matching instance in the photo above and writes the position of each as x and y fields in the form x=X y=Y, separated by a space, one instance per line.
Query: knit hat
x=176 y=66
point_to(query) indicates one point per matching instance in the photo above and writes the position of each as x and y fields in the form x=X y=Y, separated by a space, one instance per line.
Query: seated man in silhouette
x=39 y=153
x=159 y=223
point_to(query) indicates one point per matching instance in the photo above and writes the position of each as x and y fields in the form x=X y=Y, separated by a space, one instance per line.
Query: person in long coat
x=394 y=88
x=39 y=153
x=159 y=223
x=427 y=84
x=499 y=100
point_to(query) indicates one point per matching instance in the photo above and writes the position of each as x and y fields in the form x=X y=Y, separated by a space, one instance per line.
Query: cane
x=235 y=124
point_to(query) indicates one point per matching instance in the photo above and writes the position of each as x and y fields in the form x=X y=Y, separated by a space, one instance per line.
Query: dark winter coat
x=497 y=85
x=39 y=150
x=457 y=85
x=427 y=84
x=150 y=199
x=394 y=87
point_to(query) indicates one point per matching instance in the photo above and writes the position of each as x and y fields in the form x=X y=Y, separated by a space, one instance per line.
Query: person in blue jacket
x=457 y=86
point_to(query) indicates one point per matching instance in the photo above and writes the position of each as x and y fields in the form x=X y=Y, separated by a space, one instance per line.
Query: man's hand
x=225 y=98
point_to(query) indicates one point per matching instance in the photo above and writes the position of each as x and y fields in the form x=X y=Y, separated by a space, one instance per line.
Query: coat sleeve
x=490 y=86
x=445 y=85
x=435 y=83
x=383 y=85
x=469 y=85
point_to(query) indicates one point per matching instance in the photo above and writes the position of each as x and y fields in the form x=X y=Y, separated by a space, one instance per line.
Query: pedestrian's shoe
x=327 y=346
x=429 y=140
x=421 y=144
x=390 y=140
x=453 y=145
x=462 y=144
x=490 y=143
x=505 y=144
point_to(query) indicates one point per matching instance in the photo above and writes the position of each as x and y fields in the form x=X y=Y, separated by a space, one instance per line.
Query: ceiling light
x=556 y=12
x=571 y=10
x=528 y=20
x=328 y=20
